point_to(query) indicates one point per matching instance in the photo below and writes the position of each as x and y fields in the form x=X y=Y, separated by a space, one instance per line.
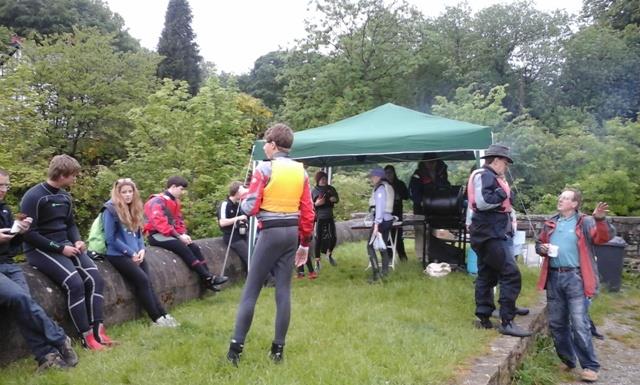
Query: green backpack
x=96 y=244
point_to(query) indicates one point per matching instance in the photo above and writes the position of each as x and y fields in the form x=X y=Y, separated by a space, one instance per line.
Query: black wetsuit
x=52 y=229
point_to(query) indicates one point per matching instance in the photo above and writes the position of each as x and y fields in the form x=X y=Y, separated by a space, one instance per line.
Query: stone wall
x=626 y=227
x=173 y=282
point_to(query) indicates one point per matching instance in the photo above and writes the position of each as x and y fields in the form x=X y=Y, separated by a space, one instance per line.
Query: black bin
x=610 y=261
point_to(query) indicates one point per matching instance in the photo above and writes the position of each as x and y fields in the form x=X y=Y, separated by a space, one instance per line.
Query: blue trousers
x=569 y=319
x=496 y=265
x=42 y=334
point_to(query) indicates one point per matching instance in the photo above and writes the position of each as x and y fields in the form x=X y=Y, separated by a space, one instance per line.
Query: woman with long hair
x=123 y=221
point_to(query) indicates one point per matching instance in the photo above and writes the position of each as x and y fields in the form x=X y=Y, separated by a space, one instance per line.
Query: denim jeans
x=568 y=319
x=41 y=333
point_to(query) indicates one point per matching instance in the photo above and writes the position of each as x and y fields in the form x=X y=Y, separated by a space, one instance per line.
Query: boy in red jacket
x=165 y=228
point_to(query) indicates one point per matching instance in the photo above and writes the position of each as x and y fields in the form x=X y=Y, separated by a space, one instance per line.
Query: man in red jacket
x=569 y=274
x=165 y=228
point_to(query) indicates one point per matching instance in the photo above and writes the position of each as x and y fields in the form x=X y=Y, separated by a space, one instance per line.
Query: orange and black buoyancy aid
x=505 y=207
x=284 y=189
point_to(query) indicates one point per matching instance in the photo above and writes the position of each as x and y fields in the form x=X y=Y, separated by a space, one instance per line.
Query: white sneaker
x=172 y=320
x=164 y=322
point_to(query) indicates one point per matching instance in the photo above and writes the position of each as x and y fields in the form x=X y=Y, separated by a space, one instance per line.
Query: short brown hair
x=63 y=166
x=177 y=180
x=281 y=135
x=577 y=195
x=234 y=187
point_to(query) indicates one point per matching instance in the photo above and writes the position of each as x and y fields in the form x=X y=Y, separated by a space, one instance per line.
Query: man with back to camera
x=279 y=196
x=491 y=229
x=569 y=275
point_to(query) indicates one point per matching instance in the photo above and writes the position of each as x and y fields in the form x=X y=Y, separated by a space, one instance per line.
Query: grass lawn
x=411 y=329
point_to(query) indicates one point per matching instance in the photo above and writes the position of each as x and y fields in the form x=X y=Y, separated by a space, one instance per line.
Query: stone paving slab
x=506 y=352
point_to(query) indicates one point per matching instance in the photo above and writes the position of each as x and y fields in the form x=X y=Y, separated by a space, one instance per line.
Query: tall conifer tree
x=177 y=44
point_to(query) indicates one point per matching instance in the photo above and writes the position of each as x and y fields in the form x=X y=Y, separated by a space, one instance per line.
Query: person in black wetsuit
x=53 y=245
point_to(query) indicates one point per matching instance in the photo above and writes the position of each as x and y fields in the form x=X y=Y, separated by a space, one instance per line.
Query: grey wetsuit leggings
x=275 y=251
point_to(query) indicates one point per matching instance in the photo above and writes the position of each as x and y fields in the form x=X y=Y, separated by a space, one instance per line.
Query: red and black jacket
x=590 y=232
x=163 y=214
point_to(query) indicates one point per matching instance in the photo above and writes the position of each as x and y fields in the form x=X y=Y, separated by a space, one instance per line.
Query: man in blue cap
x=491 y=230
x=381 y=202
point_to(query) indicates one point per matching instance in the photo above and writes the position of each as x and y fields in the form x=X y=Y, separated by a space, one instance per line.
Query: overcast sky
x=234 y=33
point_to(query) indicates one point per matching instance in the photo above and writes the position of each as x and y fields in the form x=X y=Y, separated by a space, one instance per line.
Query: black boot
x=234 y=353
x=509 y=328
x=375 y=268
x=375 y=277
x=385 y=262
x=277 y=352
x=213 y=282
x=485 y=323
x=219 y=280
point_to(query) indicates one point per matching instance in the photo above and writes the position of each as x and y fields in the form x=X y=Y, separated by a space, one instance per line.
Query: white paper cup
x=15 y=228
x=553 y=251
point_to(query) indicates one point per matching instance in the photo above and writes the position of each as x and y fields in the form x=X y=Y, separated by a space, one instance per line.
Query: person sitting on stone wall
x=54 y=246
x=165 y=228
x=46 y=340
x=123 y=220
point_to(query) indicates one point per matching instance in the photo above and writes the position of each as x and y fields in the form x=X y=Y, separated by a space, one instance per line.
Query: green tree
x=517 y=44
x=473 y=106
x=205 y=138
x=85 y=90
x=177 y=44
x=445 y=56
x=616 y=14
x=355 y=57
x=22 y=130
x=600 y=73
x=266 y=80
x=47 y=17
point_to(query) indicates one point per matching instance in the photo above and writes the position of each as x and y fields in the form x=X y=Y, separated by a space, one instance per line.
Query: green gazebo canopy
x=386 y=134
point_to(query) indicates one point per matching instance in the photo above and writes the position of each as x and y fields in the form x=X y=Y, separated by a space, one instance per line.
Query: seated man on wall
x=165 y=228
x=46 y=340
